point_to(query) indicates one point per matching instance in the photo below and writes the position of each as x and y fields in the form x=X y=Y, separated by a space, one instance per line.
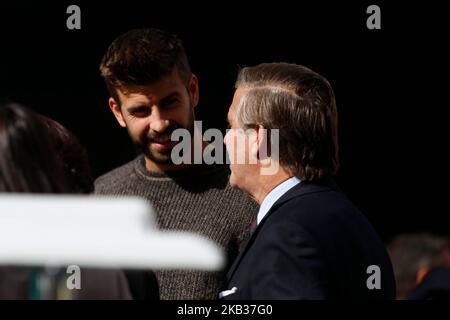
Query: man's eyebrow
x=175 y=94
x=138 y=106
x=141 y=105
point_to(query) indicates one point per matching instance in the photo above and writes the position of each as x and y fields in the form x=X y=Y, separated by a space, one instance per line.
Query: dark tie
x=252 y=227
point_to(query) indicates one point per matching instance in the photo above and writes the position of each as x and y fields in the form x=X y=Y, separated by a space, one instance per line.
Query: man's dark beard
x=146 y=139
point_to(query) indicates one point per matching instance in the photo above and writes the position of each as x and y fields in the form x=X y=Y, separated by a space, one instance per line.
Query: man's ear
x=193 y=90
x=115 y=108
x=258 y=143
x=263 y=142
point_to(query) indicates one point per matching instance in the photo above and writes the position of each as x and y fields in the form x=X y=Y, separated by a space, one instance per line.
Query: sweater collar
x=195 y=171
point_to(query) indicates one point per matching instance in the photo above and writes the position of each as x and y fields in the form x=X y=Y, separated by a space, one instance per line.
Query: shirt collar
x=274 y=195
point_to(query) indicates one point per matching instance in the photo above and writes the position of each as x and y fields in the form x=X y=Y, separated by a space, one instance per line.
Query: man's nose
x=228 y=137
x=158 y=122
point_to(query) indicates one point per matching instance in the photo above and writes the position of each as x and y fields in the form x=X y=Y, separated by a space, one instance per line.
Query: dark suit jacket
x=312 y=244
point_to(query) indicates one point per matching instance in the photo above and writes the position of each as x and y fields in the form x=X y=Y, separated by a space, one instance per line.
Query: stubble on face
x=149 y=142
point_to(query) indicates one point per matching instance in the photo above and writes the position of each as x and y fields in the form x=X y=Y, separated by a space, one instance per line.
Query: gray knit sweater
x=198 y=199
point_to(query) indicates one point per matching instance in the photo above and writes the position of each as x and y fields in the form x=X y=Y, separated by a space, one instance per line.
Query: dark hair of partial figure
x=72 y=156
x=141 y=57
x=28 y=162
x=37 y=155
x=301 y=104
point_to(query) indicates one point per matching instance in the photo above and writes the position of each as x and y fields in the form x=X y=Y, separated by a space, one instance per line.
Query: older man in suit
x=309 y=240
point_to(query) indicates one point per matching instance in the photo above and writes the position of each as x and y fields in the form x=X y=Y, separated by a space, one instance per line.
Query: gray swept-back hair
x=301 y=104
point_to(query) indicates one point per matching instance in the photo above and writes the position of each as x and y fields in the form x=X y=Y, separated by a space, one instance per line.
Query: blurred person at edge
x=38 y=155
x=421 y=263
x=28 y=164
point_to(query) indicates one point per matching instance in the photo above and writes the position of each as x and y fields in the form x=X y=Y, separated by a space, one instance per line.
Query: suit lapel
x=300 y=189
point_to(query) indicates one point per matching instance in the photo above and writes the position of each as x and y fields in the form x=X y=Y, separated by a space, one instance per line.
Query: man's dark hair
x=141 y=57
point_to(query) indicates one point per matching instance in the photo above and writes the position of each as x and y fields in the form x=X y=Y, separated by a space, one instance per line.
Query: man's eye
x=140 y=112
x=169 y=103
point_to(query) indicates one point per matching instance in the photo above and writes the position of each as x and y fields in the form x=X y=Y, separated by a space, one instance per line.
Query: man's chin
x=159 y=158
x=232 y=181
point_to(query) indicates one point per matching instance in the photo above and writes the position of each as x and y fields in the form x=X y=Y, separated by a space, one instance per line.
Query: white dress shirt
x=274 y=195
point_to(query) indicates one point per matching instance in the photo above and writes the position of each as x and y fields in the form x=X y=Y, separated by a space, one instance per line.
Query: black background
x=387 y=83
